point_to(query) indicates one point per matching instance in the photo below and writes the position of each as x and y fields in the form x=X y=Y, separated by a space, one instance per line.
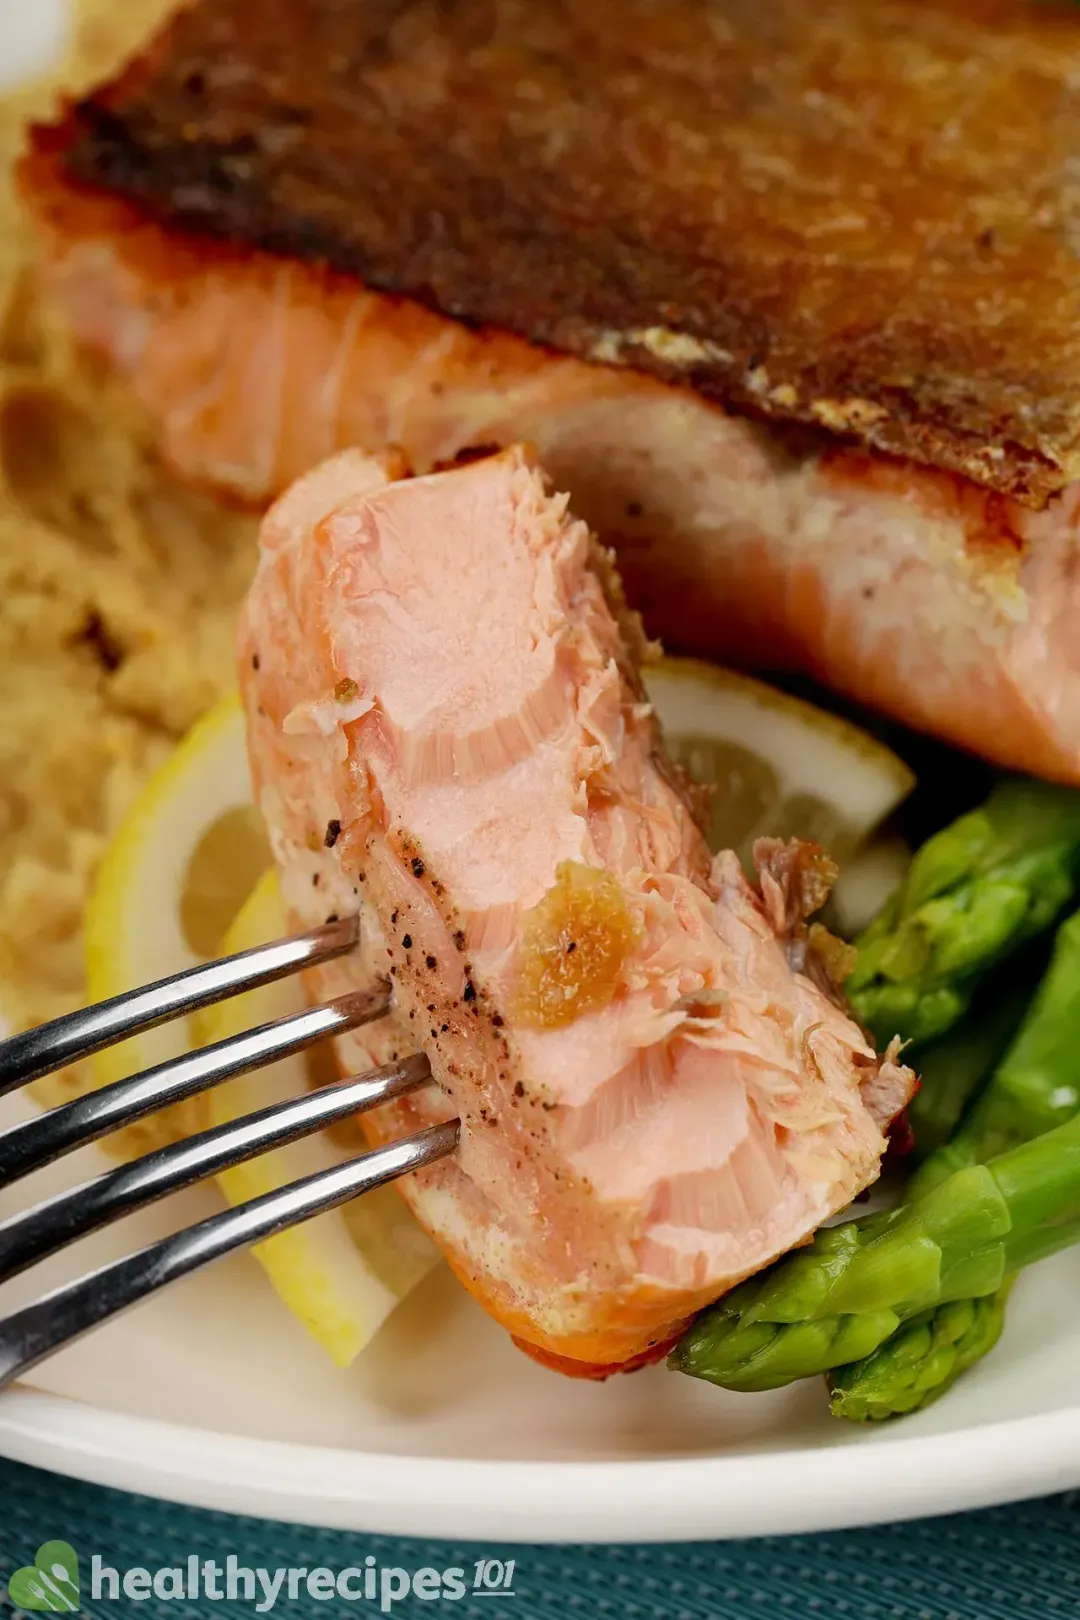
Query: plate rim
x=738 y=1494
x=888 y=1477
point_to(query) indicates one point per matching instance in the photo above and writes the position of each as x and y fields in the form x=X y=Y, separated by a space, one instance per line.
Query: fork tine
x=28 y=1145
x=52 y=1225
x=31 y=1334
x=80 y=1034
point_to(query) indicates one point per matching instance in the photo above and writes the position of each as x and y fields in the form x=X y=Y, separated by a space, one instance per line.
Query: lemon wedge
x=781 y=766
x=183 y=862
x=340 y=1274
x=186 y=878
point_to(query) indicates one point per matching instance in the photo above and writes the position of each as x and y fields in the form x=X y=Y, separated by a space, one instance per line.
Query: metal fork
x=29 y=1335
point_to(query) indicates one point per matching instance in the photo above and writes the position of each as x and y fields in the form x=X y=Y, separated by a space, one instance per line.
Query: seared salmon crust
x=860 y=216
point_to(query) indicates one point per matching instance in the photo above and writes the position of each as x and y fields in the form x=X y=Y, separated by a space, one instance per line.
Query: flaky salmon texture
x=448 y=732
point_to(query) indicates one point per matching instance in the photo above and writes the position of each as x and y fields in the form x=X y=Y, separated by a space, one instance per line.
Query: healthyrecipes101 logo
x=51 y=1583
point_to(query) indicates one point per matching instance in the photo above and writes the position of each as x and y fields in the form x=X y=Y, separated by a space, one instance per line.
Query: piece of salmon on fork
x=448 y=732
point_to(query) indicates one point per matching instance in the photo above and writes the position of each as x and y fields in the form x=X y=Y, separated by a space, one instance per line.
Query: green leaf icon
x=51 y=1583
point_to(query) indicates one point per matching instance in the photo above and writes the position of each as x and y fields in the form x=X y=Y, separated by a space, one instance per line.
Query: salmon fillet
x=307 y=224
x=447 y=731
x=914 y=590
x=863 y=216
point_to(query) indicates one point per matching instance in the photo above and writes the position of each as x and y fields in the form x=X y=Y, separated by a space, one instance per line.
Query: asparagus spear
x=974 y=892
x=953 y=1069
x=1037 y=1083
x=838 y=1299
x=922 y=1359
x=1029 y=1092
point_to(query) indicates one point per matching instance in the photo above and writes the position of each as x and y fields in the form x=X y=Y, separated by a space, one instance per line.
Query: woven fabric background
x=1016 y=1563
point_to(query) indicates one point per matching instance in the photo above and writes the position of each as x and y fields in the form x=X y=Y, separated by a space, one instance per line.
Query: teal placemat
x=1003 y=1564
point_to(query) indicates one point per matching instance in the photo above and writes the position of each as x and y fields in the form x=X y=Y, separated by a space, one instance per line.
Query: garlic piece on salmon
x=574 y=945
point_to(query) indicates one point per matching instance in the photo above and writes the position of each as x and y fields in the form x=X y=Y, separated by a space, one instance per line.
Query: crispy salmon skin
x=857 y=215
x=447 y=732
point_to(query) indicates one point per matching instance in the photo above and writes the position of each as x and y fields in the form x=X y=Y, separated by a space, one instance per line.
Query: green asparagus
x=921 y=1361
x=974 y=892
x=953 y=1070
x=842 y=1296
x=1029 y=1092
x=1037 y=1083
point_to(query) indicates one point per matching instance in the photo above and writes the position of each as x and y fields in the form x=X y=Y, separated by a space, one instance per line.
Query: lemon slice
x=781 y=767
x=340 y=1274
x=181 y=865
x=185 y=879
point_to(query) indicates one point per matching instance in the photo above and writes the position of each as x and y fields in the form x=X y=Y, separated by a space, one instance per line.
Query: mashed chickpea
x=118 y=590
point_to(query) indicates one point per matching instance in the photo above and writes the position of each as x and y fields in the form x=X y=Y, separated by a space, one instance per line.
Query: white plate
x=211 y=1395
